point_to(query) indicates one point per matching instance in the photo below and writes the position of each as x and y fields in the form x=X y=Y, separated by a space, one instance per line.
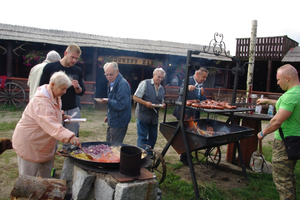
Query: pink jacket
x=37 y=132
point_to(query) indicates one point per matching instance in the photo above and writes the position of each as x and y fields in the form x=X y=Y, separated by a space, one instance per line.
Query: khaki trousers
x=35 y=169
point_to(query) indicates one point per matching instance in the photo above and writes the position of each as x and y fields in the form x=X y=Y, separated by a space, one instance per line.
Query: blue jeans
x=147 y=134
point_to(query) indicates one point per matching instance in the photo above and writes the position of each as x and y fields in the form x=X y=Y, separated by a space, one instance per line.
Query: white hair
x=52 y=56
x=161 y=70
x=113 y=64
x=60 y=78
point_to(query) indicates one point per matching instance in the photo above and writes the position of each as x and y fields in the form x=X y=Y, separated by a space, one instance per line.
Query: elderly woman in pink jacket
x=37 y=132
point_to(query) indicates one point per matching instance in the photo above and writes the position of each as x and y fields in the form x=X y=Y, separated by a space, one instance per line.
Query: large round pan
x=99 y=164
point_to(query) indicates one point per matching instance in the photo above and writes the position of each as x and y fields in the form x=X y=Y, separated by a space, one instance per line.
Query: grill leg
x=242 y=160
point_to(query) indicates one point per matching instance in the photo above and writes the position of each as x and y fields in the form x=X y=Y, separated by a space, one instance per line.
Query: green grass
x=6 y=126
x=84 y=133
x=260 y=186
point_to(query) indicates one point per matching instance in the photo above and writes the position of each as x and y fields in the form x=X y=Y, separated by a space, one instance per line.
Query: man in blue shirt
x=118 y=103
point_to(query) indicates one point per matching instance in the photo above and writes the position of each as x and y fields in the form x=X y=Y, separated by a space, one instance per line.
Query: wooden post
x=9 y=59
x=251 y=60
x=95 y=64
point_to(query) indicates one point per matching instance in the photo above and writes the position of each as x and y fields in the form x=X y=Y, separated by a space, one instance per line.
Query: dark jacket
x=189 y=113
x=119 y=103
x=150 y=116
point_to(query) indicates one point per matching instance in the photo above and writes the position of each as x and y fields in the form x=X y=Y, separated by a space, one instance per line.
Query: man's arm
x=148 y=104
x=268 y=101
x=275 y=122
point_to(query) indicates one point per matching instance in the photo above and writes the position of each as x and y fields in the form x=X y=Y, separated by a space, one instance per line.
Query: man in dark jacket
x=149 y=97
x=118 y=103
x=195 y=91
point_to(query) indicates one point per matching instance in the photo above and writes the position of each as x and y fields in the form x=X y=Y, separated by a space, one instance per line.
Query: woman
x=36 y=134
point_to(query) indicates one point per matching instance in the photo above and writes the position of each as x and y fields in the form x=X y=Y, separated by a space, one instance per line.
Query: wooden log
x=39 y=188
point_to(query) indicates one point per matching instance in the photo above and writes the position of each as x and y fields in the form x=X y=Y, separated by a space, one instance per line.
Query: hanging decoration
x=33 y=58
x=158 y=64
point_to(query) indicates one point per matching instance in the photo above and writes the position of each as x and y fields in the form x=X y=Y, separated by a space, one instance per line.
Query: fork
x=74 y=114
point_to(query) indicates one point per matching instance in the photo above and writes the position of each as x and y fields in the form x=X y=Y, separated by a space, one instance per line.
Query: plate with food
x=75 y=120
x=158 y=105
x=101 y=99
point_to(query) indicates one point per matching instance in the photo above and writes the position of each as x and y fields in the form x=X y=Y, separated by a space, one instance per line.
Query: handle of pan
x=64 y=154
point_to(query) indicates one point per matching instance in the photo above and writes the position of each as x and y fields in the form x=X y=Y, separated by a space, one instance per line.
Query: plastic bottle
x=270 y=110
x=258 y=107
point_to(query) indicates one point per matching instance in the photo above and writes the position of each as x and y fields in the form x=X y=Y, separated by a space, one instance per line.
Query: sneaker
x=53 y=172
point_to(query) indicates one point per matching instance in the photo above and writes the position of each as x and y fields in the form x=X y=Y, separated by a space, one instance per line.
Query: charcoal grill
x=223 y=134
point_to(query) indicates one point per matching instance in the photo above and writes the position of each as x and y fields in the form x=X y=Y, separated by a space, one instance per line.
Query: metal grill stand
x=181 y=127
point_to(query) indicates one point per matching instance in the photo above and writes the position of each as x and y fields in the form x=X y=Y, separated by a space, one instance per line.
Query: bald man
x=287 y=117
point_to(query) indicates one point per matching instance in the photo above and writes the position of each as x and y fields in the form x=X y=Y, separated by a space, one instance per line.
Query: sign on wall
x=128 y=60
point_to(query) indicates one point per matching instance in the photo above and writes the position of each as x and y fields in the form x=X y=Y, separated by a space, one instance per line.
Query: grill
x=218 y=133
x=185 y=138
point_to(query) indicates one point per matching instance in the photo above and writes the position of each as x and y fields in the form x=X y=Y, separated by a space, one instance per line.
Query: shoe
x=184 y=162
x=53 y=172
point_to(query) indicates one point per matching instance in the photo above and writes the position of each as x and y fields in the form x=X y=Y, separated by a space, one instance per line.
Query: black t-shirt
x=74 y=72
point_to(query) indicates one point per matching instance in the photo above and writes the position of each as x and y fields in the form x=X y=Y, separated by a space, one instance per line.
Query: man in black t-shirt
x=67 y=64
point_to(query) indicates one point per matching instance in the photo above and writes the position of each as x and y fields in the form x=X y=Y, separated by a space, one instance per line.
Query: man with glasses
x=118 y=103
x=150 y=98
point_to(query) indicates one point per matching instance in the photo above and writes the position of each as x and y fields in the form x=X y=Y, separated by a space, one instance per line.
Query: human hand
x=260 y=136
x=105 y=119
x=67 y=117
x=75 y=141
x=149 y=105
x=75 y=83
x=261 y=101
x=192 y=87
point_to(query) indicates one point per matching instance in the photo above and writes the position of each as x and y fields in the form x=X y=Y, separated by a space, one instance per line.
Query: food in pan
x=101 y=153
x=209 y=104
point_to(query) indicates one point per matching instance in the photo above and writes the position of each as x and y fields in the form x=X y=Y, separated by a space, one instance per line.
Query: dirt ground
x=225 y=176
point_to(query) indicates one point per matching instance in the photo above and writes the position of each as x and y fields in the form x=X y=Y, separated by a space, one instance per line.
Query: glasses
x=160 y=77
x=108 y=74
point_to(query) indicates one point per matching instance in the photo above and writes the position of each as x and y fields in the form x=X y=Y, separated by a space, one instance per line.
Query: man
x=287 y=117
x=37 y=70
x=67 y=64
x=195 y=91
x=118 y=103
x=149 y=97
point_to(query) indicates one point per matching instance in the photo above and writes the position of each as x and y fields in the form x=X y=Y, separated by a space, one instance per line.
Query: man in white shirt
x=36 y=72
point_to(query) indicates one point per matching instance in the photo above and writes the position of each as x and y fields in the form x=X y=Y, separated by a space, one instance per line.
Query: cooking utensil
x=87 y=155
x=74 y=114
x=96 y=163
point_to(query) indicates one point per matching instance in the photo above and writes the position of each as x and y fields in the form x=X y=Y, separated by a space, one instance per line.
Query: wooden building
x=270 y=54
x=136 y=57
